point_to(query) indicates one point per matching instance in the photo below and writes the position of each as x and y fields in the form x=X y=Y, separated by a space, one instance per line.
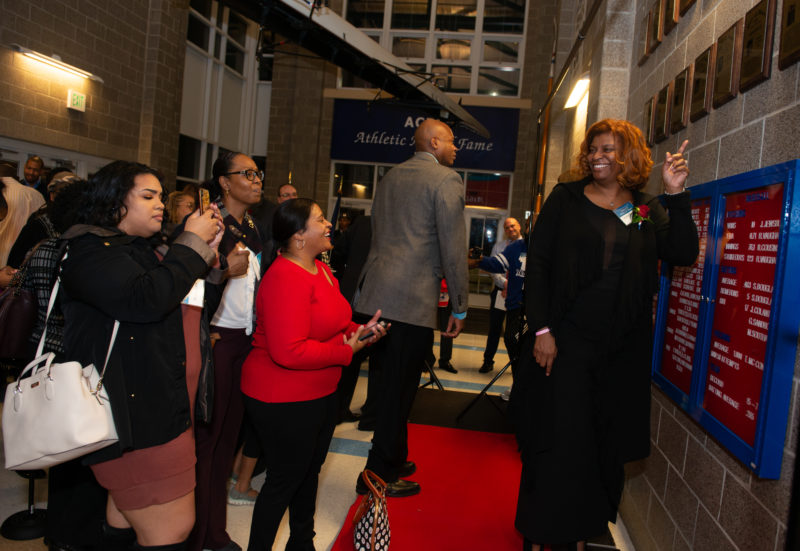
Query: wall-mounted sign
x=76 y=100
x=384 y=133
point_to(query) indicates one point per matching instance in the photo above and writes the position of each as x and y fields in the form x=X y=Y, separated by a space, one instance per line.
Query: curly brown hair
x=632 y=152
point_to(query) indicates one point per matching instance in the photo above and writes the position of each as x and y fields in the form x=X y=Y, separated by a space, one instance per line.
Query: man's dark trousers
x=402 y=353
x=496 y=317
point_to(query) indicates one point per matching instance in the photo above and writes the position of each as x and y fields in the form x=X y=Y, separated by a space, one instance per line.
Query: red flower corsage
x=641 y=214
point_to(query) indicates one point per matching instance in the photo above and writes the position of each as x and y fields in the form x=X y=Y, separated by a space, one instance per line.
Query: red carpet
x=469 y=485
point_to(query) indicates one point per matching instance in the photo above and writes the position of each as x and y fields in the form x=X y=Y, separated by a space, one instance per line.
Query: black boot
x=117 y=539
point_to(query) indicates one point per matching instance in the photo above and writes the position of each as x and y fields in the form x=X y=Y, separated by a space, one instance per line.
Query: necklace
x=605 y=195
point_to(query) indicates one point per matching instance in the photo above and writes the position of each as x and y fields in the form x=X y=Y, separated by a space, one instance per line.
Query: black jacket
x=567 y=255
x=109 y=275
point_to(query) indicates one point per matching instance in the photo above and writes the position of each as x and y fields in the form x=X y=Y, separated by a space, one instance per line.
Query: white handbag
x=58 y=413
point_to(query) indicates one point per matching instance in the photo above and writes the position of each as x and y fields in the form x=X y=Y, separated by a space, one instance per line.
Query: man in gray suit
x=418 y=237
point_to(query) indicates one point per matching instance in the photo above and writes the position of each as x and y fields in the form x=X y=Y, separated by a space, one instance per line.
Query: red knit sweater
x=298 y=346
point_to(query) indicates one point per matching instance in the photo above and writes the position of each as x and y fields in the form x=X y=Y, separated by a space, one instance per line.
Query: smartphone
x=369 y=335
x=203 y=200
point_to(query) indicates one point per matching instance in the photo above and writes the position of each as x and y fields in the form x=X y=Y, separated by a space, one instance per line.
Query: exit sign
x=76 y=100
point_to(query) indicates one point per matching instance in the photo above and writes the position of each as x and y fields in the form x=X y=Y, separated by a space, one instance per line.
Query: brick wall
x=135 y=47
x=299 y=140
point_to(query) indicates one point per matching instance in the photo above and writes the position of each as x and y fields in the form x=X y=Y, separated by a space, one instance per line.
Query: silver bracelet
x=677 y=192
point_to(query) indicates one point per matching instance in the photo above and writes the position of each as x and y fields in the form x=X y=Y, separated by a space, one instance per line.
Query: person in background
x=236 y=181
x=18 y=203
x=581 y=394
x=32 y=174
x=511 y=262
x=286 y=192
x=76 y=503
x=304 y=337
x=113 y=273
x=445 y=342
x=348 y=256
x=497 y=310
x=179 y=205
x=39 y=225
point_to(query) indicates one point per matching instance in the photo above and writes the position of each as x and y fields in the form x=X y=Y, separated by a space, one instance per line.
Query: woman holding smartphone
x=303 y=339
x=113 y=273
x=236 y=182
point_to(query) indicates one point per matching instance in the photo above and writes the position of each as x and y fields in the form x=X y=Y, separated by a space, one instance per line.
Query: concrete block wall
x=135 y=47
x=691 y=493
x=538 y=51
x=755 y=129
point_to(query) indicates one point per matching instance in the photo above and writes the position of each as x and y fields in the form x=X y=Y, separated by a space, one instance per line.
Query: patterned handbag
x=371 y=521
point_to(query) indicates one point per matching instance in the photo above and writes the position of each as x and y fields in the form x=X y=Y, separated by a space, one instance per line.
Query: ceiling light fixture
x=55 y=61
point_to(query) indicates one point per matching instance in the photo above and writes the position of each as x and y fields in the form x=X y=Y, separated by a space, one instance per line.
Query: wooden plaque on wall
x=643 y=39
x=790 y=34
x=702 y=71
x=684 y=6
x=670 y=15
x=759 y=24
x=728 y=62
x=655 y=34
x=661 y=115
x=647 y=121
x=679 y=112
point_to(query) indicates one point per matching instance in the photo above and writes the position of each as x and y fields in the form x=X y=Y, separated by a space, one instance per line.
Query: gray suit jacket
x=418 y=237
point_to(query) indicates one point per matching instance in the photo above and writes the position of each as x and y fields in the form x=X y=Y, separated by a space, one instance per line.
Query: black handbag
x=18 y=310
x=371 y=521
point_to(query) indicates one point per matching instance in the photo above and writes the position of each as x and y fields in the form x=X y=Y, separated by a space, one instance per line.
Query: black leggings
x=294 y=437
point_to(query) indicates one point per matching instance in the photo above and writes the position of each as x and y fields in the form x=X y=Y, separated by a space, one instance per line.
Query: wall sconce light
x=54 y=61
x=578 y=91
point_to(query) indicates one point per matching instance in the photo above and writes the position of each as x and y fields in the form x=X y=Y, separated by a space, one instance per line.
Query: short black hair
x=105 y=194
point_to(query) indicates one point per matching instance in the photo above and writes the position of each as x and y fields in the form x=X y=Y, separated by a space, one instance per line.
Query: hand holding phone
x=370 y=334
x=203 y=199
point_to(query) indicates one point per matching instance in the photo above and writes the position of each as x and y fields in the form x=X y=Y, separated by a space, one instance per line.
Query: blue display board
x=727 y=328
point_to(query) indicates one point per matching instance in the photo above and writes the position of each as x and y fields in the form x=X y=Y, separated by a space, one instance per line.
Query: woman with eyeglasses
x=236 y=185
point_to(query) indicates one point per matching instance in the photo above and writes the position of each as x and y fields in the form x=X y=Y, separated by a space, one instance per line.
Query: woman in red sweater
x=303 y=338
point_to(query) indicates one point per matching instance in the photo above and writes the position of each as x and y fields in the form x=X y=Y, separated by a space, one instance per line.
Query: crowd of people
x=238 y=345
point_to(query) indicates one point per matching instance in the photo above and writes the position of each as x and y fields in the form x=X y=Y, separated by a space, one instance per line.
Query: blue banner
x=377 y=132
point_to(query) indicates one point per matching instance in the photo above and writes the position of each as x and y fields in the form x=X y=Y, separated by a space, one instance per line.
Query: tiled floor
x=337 y=482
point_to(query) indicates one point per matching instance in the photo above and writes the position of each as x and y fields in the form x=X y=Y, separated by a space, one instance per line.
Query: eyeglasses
x=290 y=194
x=250 y=174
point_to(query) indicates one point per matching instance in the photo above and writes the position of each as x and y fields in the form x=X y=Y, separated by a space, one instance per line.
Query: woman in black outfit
x=113 y=273
x=582 y=394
